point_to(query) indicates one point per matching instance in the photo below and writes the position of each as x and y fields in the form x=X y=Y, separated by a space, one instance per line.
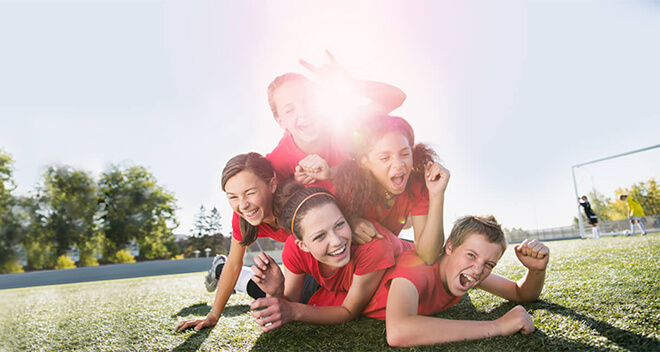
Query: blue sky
x=510 y=93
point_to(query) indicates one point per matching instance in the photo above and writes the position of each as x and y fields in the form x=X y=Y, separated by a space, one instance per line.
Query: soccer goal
x=601 y=180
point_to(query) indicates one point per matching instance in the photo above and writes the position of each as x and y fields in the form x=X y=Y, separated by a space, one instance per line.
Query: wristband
x=212 y=311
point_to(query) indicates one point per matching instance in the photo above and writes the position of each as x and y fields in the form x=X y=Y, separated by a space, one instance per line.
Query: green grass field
x=599 y=295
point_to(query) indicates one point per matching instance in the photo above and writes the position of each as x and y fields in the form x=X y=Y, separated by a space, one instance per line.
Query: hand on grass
x=533 y=254
x=210 y=321
x=515 y=320
x=363 y=231
x=314 y=167
x=437 y=178
x=276 y=312
x=268 y=275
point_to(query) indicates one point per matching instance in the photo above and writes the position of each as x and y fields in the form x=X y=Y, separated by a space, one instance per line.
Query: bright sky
x=511 y=94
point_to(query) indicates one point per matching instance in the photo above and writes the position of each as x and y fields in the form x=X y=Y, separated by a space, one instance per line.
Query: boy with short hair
x=412 y=289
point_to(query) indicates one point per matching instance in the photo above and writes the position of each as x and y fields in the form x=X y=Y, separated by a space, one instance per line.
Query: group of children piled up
x=339 y=202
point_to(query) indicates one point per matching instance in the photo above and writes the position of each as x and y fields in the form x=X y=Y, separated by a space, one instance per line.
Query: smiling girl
x=321 y=247
x=250 y=184
x=392 y=180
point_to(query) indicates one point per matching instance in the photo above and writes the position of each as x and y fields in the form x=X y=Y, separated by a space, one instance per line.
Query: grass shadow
x=194 y=341
x=203 y=309
x=622 y=338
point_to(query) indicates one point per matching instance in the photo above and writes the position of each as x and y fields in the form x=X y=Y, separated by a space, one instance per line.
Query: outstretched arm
x=404 y=327
x=226 y=284
x=429 y=229
x=278 y=311
x=384 y=97
x=534 y=255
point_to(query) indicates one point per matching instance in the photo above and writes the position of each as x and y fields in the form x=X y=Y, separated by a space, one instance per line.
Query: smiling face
x=467 y=265
x=250 y=197
x=326 y=235
x=295 y=111
x=390 y=161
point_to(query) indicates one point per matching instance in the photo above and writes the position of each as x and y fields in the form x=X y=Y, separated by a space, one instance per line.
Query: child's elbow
x=396 y=336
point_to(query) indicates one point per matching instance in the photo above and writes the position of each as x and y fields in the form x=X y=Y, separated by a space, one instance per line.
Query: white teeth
x=251 y=212
x=469 y=278
x=339 y=251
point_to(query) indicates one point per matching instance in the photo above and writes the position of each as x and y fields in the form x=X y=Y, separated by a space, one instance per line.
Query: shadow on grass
x=194 y=341
x=623 y=338
x=203 y=309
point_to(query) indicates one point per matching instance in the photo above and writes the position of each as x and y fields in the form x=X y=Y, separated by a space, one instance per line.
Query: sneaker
x=211 y=281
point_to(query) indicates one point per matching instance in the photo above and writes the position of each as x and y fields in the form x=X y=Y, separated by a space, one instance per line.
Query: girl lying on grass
x=321 y=248
x=411 y=290
x=249 y=181
x=392 y=180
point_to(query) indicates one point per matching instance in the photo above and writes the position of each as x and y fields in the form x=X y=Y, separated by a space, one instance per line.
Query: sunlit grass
x=599 y=295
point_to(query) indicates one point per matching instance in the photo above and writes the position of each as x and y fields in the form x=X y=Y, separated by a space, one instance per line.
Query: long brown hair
x=263 y=169
x=356 y=187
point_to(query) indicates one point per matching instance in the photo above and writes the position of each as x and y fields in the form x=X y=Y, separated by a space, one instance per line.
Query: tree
x=10 y=229
x=69 y=201
x=135 y=208
x=214 y=223
x=200 y=228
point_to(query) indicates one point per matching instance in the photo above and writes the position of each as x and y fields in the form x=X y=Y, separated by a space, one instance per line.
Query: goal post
x=575 y=185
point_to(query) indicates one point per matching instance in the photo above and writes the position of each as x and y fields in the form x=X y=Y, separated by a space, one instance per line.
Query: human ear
x=301 y=245
x=272 y=184
x=448 y=247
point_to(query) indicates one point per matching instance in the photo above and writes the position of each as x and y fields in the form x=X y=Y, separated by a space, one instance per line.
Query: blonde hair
x=278 y=82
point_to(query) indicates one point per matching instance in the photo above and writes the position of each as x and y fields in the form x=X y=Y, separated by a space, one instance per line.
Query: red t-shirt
x=375 y=255
x=413 y=201
x=286 y=156
x=433 y=297
x=263 y=230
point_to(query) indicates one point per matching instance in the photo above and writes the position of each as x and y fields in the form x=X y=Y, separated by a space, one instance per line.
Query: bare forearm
x=417 y=330
x=429 y=244
x=530 y=286
x=322 y=315
x=387 y=96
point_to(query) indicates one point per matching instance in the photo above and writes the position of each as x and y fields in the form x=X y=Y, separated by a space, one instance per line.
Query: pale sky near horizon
x=510 y=93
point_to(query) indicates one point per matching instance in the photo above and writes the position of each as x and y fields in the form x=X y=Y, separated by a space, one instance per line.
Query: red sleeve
x=420 y=199
x=236 y=228
x=291 y=257
x=411 y=267
x=375 y=255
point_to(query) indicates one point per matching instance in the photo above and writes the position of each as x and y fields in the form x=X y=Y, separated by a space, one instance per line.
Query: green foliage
x=87 y=260
x=134 y=207
x=64 y=262
x=122 y=256
x=11 y=267
x=11 y=232
x=647 y=194
x=599 y=295
x=69 y=200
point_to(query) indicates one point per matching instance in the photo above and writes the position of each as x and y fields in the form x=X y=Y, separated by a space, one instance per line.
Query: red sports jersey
x=433 y=297
x=375 y=255
x=263 y=230
x=413 y=201
x=286 y=156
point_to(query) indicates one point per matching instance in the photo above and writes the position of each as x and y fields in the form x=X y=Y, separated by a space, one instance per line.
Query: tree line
x=69 y=208
x=647 y=193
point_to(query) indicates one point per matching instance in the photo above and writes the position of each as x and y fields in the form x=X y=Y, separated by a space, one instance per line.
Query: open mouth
x=467 y=281
x=398 y=180
x=250 y=213
x=340 y=251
